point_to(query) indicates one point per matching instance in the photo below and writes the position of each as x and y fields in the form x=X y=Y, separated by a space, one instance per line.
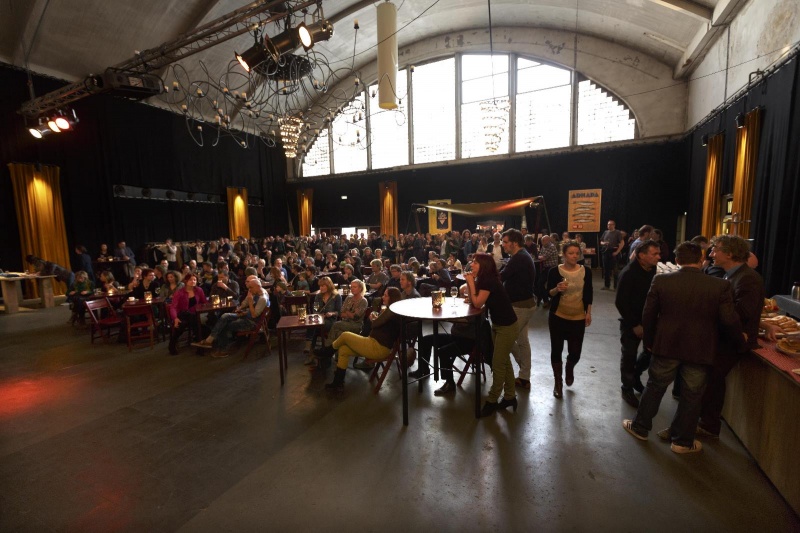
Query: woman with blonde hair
x=377 y=347
x=327 y=303
x=352 y=318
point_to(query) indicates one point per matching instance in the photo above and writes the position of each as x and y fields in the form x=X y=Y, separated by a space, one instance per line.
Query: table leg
x=435 y=349
x=46 y=292
x=404 y=367
x=281 y=348
x=11 y=296
x=477 y=367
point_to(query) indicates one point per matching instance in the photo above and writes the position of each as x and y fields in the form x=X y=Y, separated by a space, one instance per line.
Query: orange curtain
x=305 y=199
x=40 y=215
x=387 y=191
x=744 y=178
x=238 y=216
x=711 y=198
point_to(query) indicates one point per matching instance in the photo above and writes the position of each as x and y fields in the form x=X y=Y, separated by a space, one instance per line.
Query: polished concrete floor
x=94 y=438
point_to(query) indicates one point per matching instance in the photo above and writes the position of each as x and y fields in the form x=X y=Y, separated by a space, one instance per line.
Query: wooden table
x=161 y=304
x=421 y=309
x=285 y=326
x=12 y=292
x=208 y=307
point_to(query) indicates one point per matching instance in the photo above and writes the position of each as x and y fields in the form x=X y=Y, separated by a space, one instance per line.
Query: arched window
x=468 y=106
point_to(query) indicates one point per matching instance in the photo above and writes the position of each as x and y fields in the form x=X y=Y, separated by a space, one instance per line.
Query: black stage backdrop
x=130 y=143
x=644 y=184
x=775 y=226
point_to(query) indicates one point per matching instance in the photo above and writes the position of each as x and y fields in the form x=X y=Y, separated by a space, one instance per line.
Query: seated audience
x=378 y=346
x=245 y=318
x=81 y=288
x=172 y=282
x=183 y=310
x=328 y=303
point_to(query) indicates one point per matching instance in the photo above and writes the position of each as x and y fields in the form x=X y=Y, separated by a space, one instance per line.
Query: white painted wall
x=761 y=33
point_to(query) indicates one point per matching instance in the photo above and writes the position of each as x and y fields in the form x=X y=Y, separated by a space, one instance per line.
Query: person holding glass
x=328 y=303
x=570 y=288
x=485 y=288
x=352 y=319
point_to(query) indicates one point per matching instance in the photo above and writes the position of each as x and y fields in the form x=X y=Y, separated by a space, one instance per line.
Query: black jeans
x=632 y=363
x=450 y=347
x=714 y=396
x=562 y=330
x=609 y=262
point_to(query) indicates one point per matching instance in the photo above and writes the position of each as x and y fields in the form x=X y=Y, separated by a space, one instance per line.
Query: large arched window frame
x=546 y=107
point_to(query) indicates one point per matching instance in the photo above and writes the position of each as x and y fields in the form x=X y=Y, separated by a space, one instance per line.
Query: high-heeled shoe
x=505 y=403
x=488 y=409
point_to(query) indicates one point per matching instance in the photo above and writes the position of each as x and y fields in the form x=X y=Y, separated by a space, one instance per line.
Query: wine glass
x=317 y=307
x=454 y=294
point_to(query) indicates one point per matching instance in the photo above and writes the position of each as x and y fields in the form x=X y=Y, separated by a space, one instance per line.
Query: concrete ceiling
x=72 y=38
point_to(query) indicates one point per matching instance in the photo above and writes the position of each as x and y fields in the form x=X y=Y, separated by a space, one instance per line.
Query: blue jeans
x=227 y=326
x=662 y=373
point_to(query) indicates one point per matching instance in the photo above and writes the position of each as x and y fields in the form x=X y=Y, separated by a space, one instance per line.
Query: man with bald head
x=245 y=317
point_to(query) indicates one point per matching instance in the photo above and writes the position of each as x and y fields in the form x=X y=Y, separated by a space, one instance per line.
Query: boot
x=570 y=377
x=173 y=339
x=558 y=388
x=338 y=381
x=324 y=355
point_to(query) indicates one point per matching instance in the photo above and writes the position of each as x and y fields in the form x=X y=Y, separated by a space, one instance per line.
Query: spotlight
x=704 y=140
x=293 y=38
x=51 y=123
x=252 y=57
x=40 y=131
x=64 y=121
x=740 y=120
x=305 y=36
x=320 y=31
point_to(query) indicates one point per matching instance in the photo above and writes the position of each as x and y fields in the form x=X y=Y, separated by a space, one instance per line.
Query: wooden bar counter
x=762 y=407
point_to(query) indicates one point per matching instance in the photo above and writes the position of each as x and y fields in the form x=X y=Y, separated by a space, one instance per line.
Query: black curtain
x=134 y=144
x=646 y=184
x=775 y=226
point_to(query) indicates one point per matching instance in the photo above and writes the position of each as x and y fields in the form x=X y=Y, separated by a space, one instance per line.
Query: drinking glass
x=317 y=307
x=454 y=294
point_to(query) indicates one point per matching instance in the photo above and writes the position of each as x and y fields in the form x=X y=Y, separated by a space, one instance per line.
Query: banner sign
x=583 y=212
x=438 y=221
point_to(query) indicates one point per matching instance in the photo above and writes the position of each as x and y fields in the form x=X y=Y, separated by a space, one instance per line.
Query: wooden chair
x=253 y=334
x=385 y=365
x=104 y=318
x=139 y=318
x=468 y=362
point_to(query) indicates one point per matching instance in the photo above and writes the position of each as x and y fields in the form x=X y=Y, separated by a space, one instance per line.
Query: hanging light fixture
x=290 y=133
x=253 y=56
x=387 y=55
x=494 y=112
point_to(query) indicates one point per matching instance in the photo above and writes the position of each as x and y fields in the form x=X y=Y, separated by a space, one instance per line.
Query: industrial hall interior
x=364 y=265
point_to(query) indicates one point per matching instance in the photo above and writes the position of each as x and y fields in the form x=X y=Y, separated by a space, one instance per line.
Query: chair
x=384 y=365
x=366 y=271
x=468 y=362
x=139 y=317
x=253 y=334
x=103 y=318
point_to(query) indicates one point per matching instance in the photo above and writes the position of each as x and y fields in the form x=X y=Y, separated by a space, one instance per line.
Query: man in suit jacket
x=730 y=254
x=684 y=313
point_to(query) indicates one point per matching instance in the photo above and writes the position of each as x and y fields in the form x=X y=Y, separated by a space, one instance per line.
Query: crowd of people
x=509 y=274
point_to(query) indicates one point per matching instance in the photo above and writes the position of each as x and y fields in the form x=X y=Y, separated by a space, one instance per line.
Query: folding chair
x=139 y=317
x=253 y=334
x=468 y=362
x=384 y=365
x=104 y=317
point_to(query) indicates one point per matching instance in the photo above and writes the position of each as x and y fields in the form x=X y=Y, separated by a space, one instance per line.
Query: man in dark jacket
x=730 y=254
x=634 y=282
x=683 y=316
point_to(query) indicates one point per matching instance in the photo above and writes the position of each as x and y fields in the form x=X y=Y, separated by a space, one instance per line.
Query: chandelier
x=494 y=117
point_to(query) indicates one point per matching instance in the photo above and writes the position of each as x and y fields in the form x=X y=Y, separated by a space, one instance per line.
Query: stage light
x=252 y=57
x=320 y=31
x=51 y=123
x=62 y=123
x=35 y=132
x=305 y=36
x=739 y=120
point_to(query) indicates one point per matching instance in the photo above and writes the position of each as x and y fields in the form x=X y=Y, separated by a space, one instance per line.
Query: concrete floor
x=95 y=438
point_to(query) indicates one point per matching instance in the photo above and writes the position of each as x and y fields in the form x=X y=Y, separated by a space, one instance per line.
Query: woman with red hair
x=183 y=309
x=485 y=288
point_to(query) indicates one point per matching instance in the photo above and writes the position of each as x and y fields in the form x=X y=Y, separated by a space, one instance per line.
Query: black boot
x=173 y=339
x=324 y=355
x=338 y=380
x=559 y=386
x=570 y=377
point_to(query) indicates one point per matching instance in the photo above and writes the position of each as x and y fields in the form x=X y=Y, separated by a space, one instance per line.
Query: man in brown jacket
x=683 y=316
